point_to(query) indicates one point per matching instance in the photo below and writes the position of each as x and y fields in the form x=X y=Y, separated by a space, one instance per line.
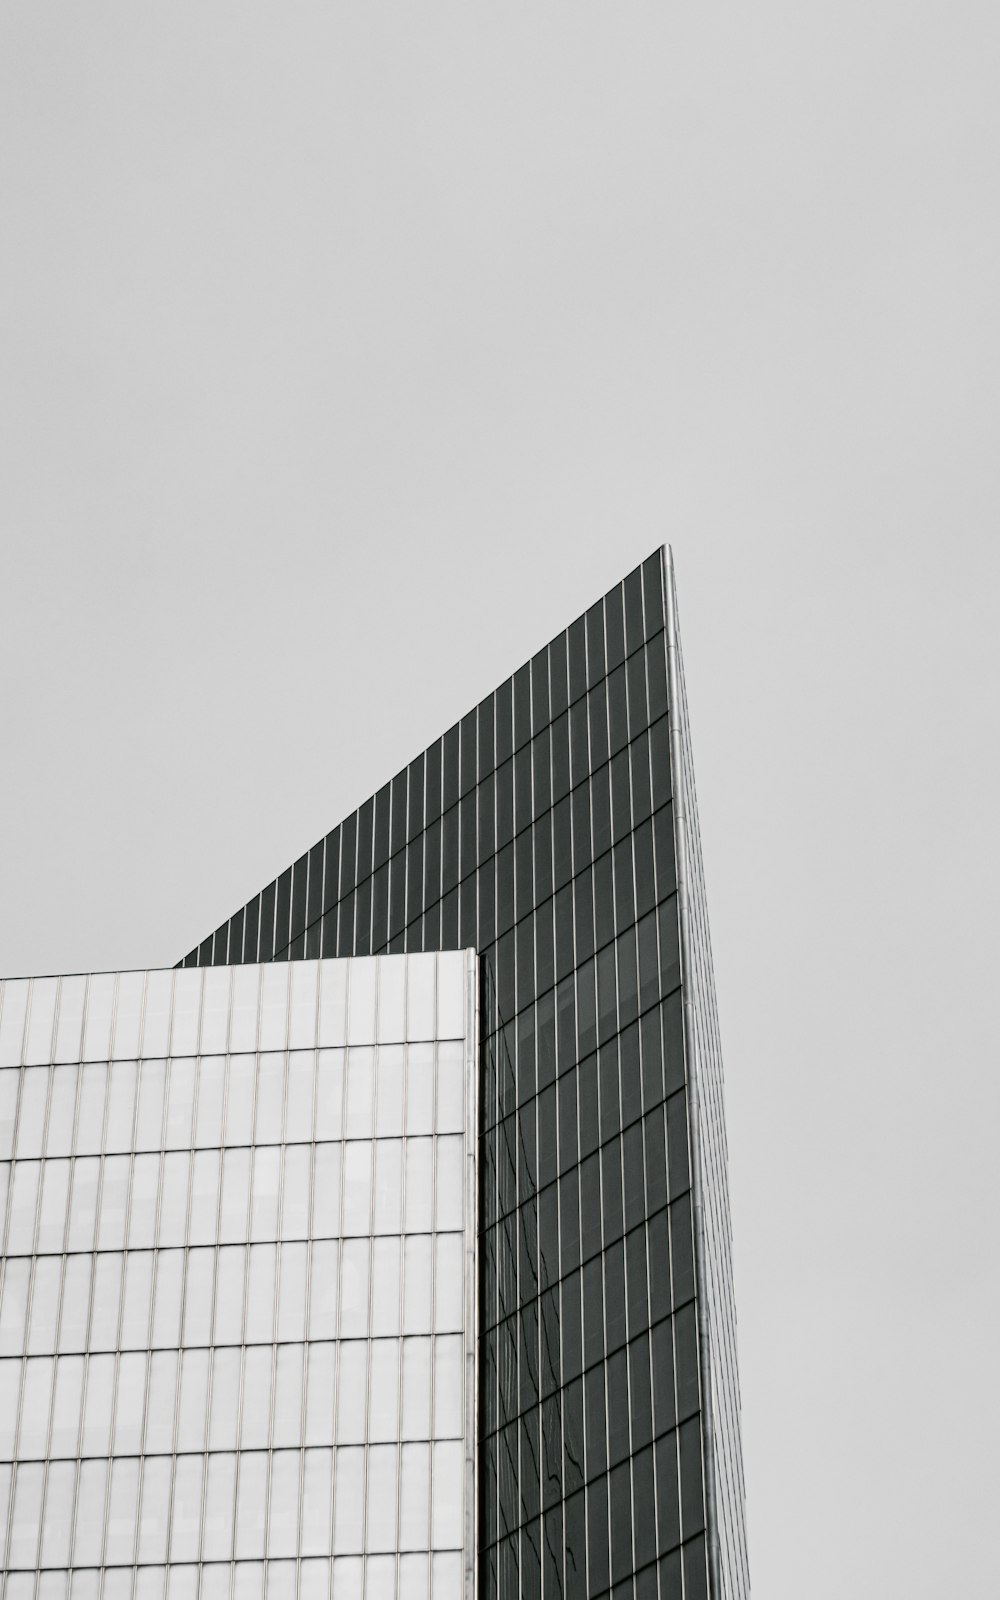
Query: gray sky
x=346 y=353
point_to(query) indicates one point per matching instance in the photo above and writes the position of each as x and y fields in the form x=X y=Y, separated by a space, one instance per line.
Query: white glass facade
x=237 y=1304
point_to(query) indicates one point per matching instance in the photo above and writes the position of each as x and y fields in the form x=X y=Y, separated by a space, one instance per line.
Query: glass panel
x=419 y=1190
x=323 y=1294
x=142 y=1207
x=354 y=1288
x=180 y=1105
x=62 y=1112
x=388 y=1185
x=417 y=1284
x=225 y=1399
x=130 y=1403
x=122 y=1505
x=361 y=1014
x=149 y=1581
x=450 y=1196
x=136 y=1300
x=85 y=1585
x=451 y=995
x=299 y=1109
x=13 y=1307
x=45 y=1302
x=149 y=1114
x=53 y=1585
x=121 y=1105
x=448 y=1388
x=198 y=1296
x=352 y=1402
x=260 y=1293
x=114 y=1201
x=264 y=1200
x=389 y=1109
x=284 y=1504
x=383 y=1409
x=349 y=1503
x=326 y=1191
x=303 y=1005
x=420 y=995
x=52 y=1212
x=416 y=1420
x=76 y=1303
x=248 y=1581
x=330 y=1094
x=229 y=1295
x=357 y=1186
x=160 y=1405
x=287 y=1428
x=295 y=1193
x=385 y=1287
x=273 y=1006
x=270 y=1098
x=97 y=1406
x=31 y=1116
x=22 y=1208
x=219 y=1503
x=451 y=1088
x=193 y=1408
x=152 y=1545
x=446 y=1516
x=320 y=1396
x=449 y=1282
x=66 y=1409
x=83 y=1208
x=185 y=1521
x=256 y=1398
x=215 y=1011
x=315 y=1537
x=239 y=1097
x=414 y=1497
x=235 y=1196
x=88 y=1545
x=35 y=1407
x=211 y=1088
x=420 y=1088
x=167 y=1298
x=292 y=1295
x=391 y=1000
x=243 y=1017
x=447 y=1577
x=360 y=1093
x=174 y=1197
x=380 y=1530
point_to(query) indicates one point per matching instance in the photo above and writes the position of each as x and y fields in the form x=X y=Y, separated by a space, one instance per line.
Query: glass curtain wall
x=236 y=1342
x=541 y=830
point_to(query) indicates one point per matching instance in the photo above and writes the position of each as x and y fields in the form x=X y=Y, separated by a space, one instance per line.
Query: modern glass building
x=552 y=836
x=237 y=1314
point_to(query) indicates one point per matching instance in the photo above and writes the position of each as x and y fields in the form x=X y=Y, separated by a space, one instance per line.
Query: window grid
x=509 y=834
x=128 y=1455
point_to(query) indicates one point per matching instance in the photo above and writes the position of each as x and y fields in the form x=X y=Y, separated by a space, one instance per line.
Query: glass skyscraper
x=551 y=835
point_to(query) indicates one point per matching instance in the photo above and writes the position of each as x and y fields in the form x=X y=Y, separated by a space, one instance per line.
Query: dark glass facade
x=554 y=829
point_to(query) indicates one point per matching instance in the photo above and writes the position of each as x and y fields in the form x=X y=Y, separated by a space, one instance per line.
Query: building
x=553 y=832
x=237 y=1317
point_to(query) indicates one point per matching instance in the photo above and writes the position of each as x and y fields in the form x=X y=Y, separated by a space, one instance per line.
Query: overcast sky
x=346 y=354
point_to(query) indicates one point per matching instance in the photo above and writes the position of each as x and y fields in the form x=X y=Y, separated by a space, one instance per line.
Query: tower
x=554 y=830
